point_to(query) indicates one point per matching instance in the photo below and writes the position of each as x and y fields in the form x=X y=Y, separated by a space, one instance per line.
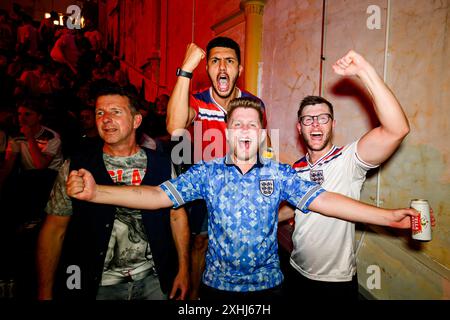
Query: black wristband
x=182 y=73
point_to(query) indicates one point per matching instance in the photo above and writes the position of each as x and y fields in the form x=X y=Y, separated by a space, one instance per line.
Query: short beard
x=315 y=148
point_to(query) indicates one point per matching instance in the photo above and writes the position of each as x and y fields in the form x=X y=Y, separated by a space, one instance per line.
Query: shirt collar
x=321 y=158
x=228 y=160
x=239 y=95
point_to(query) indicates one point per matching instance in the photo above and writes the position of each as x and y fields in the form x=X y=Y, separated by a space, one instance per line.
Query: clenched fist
x=351 y=64
x=81 y=185
x=194 y=54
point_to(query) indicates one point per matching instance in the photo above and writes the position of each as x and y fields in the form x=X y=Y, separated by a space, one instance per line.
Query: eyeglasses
x=322 y=118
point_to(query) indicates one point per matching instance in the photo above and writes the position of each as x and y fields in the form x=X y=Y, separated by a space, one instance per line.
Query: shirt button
x=102 y=253
x=107 y=225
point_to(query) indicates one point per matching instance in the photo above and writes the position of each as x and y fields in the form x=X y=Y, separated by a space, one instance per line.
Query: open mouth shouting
x=245 y=143
x=317 y=140
x=316 y=136
x=223 y=83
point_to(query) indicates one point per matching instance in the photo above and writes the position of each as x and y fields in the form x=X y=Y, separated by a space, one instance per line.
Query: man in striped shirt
x=203 y=113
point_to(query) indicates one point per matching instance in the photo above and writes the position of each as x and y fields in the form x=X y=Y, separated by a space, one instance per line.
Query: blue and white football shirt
x=243 y=218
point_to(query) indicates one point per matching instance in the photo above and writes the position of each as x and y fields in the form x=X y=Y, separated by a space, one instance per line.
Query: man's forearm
x=338 y=206
x=181 y=235
x=137 y=197
x=388 y=109
x=47 y=258
x=381 y=142
x=285 y=212
x=178 y=106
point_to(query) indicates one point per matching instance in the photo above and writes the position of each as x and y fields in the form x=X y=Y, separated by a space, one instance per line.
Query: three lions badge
x=316 y=176
x=266 y=187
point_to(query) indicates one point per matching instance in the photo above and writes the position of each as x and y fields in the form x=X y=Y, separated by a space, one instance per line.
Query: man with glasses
x=323 y=261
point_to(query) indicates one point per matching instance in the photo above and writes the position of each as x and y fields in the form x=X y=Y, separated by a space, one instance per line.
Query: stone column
x=254 y=10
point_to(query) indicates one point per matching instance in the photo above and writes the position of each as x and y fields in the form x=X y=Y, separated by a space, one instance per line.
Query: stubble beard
x=321 y=147
x=221 y=95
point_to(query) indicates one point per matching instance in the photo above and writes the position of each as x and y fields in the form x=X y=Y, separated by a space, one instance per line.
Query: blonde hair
x=247 y=103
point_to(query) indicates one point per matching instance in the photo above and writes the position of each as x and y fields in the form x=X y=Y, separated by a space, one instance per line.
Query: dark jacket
x=90 y=228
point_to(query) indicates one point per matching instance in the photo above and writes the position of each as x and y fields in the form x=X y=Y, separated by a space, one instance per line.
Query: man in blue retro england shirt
x=242 y=192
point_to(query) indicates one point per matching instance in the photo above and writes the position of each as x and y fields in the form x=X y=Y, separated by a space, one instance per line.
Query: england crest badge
x=317 y=176
x=266 y=187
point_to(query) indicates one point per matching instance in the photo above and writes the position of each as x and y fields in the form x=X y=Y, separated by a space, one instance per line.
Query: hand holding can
x=421 y=225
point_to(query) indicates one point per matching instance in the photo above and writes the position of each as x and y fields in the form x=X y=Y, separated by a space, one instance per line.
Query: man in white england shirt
x=323 y=261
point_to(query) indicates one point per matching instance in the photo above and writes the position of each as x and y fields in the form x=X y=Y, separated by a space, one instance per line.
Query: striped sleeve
x=186 y=187
x=299 y=192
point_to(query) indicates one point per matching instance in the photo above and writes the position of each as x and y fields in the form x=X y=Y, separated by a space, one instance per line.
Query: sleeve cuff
x=173 y=194
x=364 y=164
x=309 y=197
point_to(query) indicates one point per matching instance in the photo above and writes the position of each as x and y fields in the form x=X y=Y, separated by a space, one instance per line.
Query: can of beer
x=421 y=225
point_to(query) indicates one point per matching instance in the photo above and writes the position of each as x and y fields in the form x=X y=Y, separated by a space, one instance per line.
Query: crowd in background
x=48 y=77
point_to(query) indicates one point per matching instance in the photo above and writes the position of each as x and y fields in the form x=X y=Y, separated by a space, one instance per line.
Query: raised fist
x=194 y=54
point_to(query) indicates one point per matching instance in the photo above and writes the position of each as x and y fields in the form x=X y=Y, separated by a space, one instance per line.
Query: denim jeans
x=144 y=289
